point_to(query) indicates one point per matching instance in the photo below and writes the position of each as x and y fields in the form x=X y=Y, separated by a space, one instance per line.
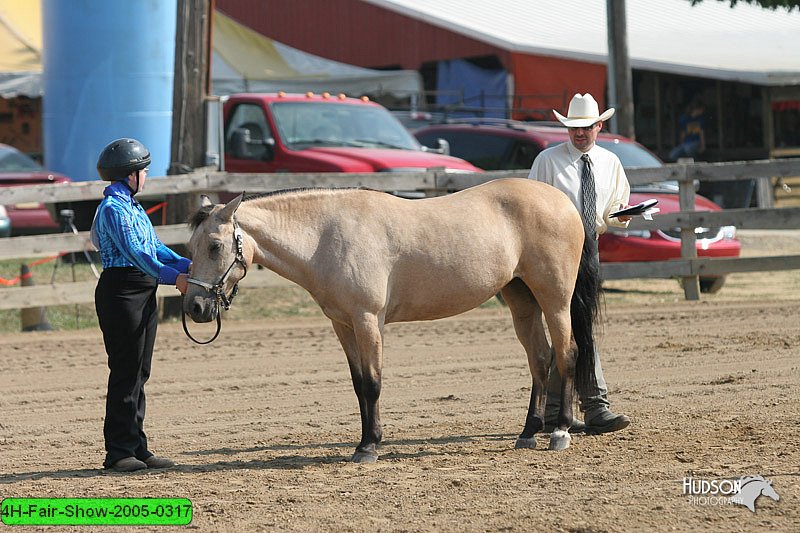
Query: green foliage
x=789 y=5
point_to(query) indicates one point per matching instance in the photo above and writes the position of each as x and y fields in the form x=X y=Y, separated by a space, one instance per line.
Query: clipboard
x=638 y=209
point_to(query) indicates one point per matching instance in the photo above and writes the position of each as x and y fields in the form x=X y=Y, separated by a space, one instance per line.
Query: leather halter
x=217 y=289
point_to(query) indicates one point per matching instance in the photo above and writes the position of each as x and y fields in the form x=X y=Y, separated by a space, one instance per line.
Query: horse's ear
x=205 y=201
x=230 y=208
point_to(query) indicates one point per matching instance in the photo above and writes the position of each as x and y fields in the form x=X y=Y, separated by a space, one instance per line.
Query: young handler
x=135 y=261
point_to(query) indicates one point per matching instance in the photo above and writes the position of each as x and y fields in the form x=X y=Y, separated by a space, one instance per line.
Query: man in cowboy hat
x=581 y=169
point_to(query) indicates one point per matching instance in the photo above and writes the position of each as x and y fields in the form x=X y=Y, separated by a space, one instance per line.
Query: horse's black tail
x=585 y=311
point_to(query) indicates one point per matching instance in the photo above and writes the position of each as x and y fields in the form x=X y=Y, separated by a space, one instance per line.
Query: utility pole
x=620 y=79
x=191 y=87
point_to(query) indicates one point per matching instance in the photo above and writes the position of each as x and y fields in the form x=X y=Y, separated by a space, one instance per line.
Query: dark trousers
x=593 y=400
x=125 y=301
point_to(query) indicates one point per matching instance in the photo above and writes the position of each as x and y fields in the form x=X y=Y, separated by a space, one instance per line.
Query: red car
x=505 y=145
x=17 y=168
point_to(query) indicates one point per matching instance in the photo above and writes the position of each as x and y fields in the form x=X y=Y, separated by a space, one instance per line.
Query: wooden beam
x=83 y=291
x=209 y=180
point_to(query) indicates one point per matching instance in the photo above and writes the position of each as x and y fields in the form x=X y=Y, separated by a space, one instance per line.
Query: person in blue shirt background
x=691 y=134
x=135 y=262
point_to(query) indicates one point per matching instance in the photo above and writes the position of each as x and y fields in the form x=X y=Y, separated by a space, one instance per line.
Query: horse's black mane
x=282 y=192
x=202 y=214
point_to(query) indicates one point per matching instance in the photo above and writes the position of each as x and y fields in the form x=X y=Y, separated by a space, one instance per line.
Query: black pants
x=125 y=300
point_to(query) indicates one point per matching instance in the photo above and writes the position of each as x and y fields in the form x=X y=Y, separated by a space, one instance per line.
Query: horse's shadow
x=351 y=444
x=615 y=290
x=285 y=462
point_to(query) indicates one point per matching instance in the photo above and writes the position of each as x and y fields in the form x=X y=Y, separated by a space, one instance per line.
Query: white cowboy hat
x=583 y=111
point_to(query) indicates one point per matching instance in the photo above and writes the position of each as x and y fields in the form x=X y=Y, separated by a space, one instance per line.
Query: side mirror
x=269 y=149
x=240 y=139
x=242 y=146
x=444 y=146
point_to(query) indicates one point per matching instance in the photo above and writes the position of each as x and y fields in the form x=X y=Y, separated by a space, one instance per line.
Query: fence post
x=686 y=197
x=765 y=196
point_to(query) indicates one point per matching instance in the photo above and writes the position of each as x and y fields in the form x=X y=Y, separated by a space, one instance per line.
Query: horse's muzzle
x=201 y=309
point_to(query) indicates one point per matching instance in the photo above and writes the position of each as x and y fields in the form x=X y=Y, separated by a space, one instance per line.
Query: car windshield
x=12 y=160
x=634 y=156
x=305 y=124
x=630 y=155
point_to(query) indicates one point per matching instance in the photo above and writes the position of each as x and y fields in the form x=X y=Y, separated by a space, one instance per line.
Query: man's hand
x=624 y=218
x=182 y=283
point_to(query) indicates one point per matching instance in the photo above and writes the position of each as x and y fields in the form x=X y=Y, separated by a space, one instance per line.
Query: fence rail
x=432 y=182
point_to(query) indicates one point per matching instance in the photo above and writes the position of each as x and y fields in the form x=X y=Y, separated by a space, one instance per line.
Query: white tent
x=20 y=48
x=246 y=61
x=243 y=60
x=746 y=43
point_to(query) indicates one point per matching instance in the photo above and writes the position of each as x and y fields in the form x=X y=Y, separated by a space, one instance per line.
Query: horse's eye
x=214 y=248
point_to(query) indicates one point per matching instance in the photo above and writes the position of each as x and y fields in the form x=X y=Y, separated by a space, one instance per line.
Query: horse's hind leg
x=565 y=350
x=528 y=325
x=364 y=349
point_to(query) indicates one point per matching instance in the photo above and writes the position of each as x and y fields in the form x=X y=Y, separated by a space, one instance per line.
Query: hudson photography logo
x=743 y=491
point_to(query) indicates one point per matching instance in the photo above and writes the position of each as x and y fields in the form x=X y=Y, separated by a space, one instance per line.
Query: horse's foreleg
x=534 y=420
x=364 y=349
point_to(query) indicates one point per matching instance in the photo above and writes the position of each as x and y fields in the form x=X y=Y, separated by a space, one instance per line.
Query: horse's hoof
x=559 y=440
x=523 y=444
x=364 y=457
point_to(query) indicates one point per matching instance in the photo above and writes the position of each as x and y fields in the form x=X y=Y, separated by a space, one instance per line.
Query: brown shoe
x=128 y=464
x=158 y=462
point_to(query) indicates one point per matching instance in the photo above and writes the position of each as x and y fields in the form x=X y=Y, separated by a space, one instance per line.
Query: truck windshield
x=305 y=124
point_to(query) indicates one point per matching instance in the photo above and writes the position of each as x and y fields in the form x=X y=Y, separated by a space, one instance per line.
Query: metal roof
x=745 y=43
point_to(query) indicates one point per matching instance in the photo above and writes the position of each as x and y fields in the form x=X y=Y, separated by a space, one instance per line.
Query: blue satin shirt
x=125 y=237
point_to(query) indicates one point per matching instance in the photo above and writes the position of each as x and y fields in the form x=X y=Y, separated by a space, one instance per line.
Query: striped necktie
x=588 y=197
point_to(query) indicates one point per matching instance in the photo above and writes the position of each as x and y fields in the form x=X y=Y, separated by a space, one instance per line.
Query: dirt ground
x=264 y=420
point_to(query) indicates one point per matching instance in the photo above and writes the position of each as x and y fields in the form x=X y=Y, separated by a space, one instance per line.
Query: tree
x=789 y=5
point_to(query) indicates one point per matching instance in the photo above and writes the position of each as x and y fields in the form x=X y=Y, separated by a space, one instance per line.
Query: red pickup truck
x=280 y=132
x=322 y=133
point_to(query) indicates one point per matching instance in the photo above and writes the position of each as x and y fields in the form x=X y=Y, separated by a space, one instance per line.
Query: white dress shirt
x=561 y=166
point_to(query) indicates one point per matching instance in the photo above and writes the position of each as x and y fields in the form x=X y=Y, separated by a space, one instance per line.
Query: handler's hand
x=624 y=218
x=182 y=283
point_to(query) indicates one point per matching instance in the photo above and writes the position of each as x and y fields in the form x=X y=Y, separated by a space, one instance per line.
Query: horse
x=369 y=258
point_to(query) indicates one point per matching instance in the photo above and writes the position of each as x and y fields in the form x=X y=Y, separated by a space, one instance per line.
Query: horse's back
x=367 y=251
x=511 y=210
x=525 y=200
x=460 y=249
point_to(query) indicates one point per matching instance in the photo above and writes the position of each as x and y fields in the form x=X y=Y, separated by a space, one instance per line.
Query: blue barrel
x=108 y=73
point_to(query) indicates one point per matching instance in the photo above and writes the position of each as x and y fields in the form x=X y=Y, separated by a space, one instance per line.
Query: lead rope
x=186 y=329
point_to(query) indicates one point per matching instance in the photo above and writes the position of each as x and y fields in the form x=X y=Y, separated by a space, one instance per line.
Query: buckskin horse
x=369 y=258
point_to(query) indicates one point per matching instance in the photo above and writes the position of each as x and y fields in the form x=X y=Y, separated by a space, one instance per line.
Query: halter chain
x=217 y=289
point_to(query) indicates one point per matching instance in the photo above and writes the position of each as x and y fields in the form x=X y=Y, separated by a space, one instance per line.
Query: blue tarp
x=461 y=84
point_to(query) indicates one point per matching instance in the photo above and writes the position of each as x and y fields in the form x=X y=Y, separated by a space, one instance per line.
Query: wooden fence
x=432 y=182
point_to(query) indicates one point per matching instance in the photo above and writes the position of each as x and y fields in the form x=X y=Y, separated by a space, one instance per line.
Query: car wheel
x=712 y=285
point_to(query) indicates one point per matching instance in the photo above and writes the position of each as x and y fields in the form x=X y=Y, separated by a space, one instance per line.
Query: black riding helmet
x=120 y=158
